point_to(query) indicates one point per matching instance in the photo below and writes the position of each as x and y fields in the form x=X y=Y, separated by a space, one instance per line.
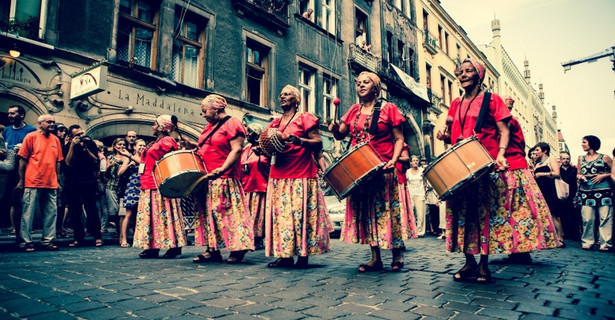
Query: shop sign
x=88 y=82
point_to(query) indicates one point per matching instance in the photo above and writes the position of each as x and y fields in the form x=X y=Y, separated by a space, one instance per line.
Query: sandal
x=483 y=278
x=74 y=244
x=302 y=263
x=377 y=266
x=465 y=275
x=49 y=247
x=397 y=265
x=149 y=254
x=172 y=253
x=29 y=247
x=281 y=263
x=236 y=256
x=208 y=256
x=124 y=245
x=98 y=243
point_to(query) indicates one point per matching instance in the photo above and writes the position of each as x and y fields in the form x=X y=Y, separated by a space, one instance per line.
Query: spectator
x=545 y=171
x=101 y=195
x=13 y=136
x=40 y=155
x=595 y=193
x=60 y=132
x=114 y=189
x=131 y=141
x=417 y=192
x=81 y=185
x=571 y=217
x=130 y=168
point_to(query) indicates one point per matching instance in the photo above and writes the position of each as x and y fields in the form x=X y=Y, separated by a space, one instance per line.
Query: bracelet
x=502 y=148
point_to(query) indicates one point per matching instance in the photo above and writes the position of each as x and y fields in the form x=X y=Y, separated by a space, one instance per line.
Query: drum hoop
x=180 y=173
x=450 y=150
x=365 y=176
x=473 y=176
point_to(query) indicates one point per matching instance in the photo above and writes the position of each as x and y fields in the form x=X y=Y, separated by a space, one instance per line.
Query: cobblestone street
x=113 y=283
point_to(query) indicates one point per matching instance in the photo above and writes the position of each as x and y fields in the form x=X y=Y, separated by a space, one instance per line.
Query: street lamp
x=14 y=51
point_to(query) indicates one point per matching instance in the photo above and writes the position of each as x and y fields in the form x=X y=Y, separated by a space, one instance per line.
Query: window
x=257 y=64
x=306 y=87
x=329 y=91
x=306 y=8
x=425 y=21
x=440 y=40
x=401 y=59
x=446 y=42
x=458 y=51
x=188 y=49
x=327 y=19
x=137 y=30
x=361 y=29
x=428 y=76
x=389 y=47
x=26 y=17
x=450 y=91
x=442 y=91
x=410 y=63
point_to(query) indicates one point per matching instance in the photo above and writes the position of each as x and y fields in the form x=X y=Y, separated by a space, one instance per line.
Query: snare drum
x=458 y=167
x=178 y=173
x=354 y=168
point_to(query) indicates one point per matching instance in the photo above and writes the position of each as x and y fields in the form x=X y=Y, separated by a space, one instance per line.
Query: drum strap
x=484 y=109
x=220 y=123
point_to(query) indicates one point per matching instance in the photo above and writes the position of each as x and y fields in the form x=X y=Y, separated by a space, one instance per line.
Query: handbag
x=562 y=189
x=8 y=164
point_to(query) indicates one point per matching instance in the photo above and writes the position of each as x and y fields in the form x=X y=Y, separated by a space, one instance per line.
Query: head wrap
x=255 y=127
x=214 y=101
x=375 y=80
x=508 y=98
x=295 y=92
x=478 y=66
x=164 y=122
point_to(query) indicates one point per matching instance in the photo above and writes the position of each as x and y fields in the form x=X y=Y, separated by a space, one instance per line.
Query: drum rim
x=449 y=151
x=351 y=150
x=178 y=173
x=168 y=154
x=477 y=174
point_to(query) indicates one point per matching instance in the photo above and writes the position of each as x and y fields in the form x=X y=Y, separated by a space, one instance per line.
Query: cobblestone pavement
x=113 y=283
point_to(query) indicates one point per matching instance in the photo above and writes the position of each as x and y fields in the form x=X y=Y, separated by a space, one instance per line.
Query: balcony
x=429 y=42
x=362 y=59
x=271 y=13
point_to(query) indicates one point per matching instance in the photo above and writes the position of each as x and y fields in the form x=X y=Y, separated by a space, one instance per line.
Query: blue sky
x=547 y=33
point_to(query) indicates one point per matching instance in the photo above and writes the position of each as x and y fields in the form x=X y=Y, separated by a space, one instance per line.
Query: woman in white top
x=417 y=193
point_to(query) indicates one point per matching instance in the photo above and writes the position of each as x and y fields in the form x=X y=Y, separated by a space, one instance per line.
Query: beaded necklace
x=361 y=135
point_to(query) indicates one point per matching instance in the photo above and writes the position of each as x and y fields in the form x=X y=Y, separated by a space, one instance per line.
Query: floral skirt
x=256 y=207
x=502 y=213
x=223 y=219
x=296 y=218
x=159 y=222
x=376 y=215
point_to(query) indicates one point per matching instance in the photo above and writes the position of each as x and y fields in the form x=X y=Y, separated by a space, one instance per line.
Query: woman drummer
x=373 y=212
x=499 y=213
x=254 y=176
x=296 y=220
x=223 y=219
x=159 y=219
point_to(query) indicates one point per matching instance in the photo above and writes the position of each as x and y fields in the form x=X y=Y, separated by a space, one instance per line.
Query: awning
x=418 y=89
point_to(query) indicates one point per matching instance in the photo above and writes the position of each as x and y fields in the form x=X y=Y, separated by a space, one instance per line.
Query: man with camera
x=80 y=184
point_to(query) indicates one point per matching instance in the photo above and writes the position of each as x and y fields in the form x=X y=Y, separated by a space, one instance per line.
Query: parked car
x=337 y=210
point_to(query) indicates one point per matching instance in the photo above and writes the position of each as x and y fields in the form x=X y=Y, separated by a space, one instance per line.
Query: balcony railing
x=429 y=42
x=362 y=58
x=269 y=12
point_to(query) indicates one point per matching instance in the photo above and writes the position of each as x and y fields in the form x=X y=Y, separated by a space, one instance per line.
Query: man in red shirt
x=39 y=165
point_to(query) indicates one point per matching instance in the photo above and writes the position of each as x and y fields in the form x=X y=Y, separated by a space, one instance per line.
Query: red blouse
x=515 y=153
x=254 y=171
x=462 y=116
x=296 y=161
x=217 y=148
x=152 y=154
x=401 y=168
x=383 y=141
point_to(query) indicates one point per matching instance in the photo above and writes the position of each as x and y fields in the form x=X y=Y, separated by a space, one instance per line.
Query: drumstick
x=336 y=102
x=174 y=120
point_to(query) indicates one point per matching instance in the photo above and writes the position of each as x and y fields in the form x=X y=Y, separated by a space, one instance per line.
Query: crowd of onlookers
x=97 y=185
